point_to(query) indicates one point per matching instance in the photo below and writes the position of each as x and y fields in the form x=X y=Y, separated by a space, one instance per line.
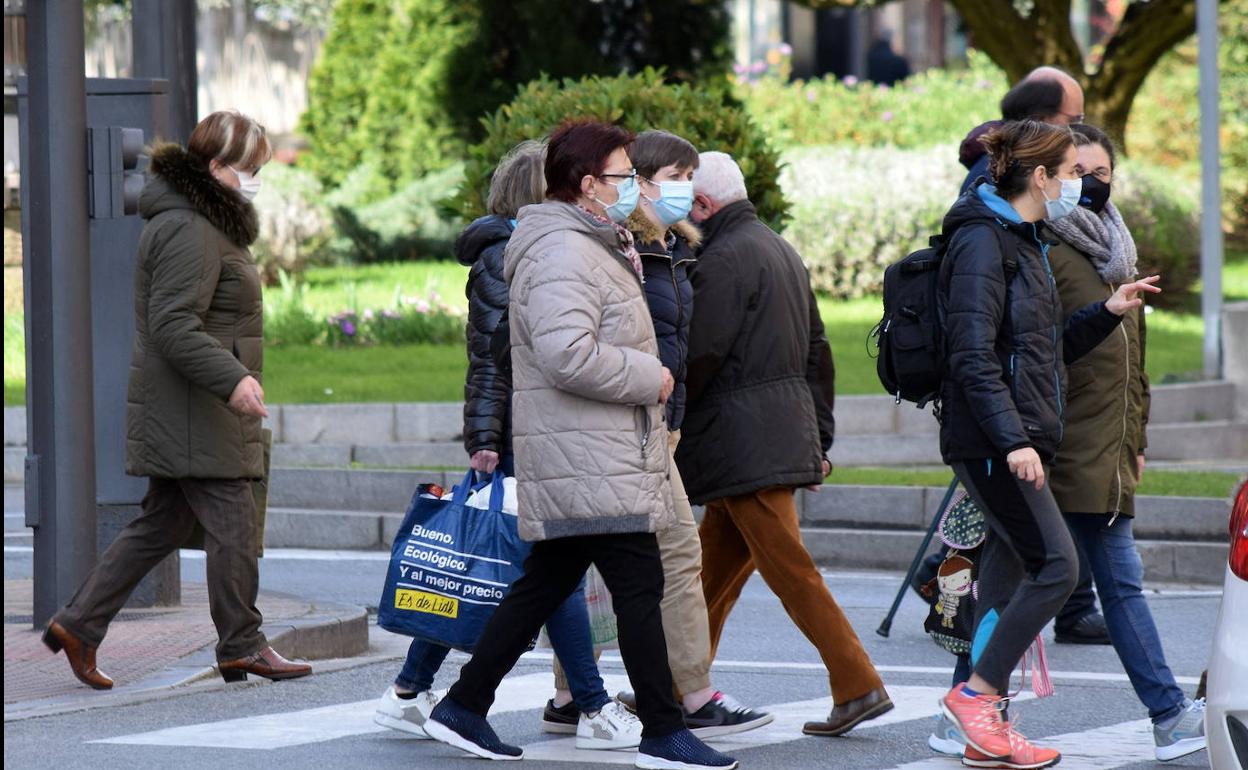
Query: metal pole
x=164 y=47
x=1210 y=190
x=60 y=464
x=887 y=623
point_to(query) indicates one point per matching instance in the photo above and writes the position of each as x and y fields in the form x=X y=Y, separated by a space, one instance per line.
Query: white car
x=1226 y=715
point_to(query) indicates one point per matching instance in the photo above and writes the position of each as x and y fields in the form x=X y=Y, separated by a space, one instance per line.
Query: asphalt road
x=325 y=721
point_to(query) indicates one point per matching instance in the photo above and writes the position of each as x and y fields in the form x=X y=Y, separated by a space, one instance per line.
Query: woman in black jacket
x=1001 y=408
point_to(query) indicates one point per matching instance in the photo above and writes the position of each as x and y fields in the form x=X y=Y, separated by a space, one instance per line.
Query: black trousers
x=631 y=567
x=226 y=509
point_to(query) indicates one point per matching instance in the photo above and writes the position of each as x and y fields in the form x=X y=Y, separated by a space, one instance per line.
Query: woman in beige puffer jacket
x=590 y=445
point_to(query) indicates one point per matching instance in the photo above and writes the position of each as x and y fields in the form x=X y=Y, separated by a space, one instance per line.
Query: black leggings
x=1028 y=568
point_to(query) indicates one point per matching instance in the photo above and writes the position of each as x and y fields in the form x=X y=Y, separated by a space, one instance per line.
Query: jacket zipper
x=645 y=433
x=680 y=316
x=1057 y=375
x=1013 y=380
x=1126 y=386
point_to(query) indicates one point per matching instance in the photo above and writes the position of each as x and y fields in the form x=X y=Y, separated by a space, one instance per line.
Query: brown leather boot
x=266 y=663
x=848 y=715
x=81 y=656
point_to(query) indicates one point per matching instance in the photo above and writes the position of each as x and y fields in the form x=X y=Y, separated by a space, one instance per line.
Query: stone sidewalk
x=159 y=648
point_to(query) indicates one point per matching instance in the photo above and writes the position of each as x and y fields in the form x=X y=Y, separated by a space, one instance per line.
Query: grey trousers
x=226 y=510
x=1028 y=568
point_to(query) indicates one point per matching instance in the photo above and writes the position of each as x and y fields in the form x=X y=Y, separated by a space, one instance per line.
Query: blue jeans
x=568 y=628
x=1119 y=575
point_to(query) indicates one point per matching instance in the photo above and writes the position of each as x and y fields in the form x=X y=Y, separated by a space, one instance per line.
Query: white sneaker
x=406 y=715
x=945 y=738
x=1184 y=734
x=613 y=727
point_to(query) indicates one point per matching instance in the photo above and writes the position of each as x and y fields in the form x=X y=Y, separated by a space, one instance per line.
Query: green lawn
x=435 y=373
x=1156 y=482
x=331 y=289
x=303 y=375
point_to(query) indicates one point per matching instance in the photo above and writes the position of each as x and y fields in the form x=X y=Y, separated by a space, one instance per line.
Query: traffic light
x=116 y=181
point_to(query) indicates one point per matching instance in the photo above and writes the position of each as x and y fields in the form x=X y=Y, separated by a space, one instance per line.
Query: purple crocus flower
x=348 y=328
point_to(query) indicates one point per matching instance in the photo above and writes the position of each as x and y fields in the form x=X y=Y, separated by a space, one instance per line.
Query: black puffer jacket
x=1005 y=342
x=760 y=379
x=666 y=260
x=487 y=390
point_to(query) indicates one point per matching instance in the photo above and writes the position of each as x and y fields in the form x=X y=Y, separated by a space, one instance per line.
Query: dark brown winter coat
x=198 y=327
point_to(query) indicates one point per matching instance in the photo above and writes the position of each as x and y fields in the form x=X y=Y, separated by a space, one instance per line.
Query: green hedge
x=932 y=107
x=858 y=211
x=708 y=117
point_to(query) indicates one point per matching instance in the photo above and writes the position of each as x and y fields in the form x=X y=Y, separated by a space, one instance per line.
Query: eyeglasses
x=630 y=175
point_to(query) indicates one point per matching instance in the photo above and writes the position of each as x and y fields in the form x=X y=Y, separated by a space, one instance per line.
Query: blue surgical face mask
x=674 y=203
x=627 y=194
x=1066 y=201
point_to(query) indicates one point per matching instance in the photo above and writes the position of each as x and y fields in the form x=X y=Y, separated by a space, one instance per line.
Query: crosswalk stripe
x=1101 y=748
x=909 y=703
x=295 y=728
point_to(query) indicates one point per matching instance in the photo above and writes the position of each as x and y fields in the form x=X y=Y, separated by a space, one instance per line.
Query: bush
x=295 y=226
x=708 y=117
x=1165 y=120
x=859 y=211
x=410 y=321
x=512 y=43
x=933 y=107
x=408 y=225
x=404 y=130
x=1163 y=213
x=287 y=319
x=338 y=88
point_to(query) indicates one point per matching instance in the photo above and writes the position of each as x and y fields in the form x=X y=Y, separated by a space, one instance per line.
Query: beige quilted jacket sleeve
x=565 y=311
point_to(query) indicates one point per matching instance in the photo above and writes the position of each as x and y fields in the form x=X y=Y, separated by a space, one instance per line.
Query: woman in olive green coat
x=1101 y=458
x=194 y=403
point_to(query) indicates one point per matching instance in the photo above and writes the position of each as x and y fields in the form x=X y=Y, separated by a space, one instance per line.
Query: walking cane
x=887 y=625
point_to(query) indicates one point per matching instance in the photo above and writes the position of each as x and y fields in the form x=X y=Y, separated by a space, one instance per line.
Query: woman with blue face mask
x=1006 y=342
x=590 y=444
x=666 y=241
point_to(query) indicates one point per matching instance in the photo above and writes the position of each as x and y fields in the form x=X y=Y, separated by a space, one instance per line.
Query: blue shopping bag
x=450 y=566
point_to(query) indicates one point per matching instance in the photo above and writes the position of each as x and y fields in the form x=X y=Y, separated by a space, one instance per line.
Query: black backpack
x=909 y=338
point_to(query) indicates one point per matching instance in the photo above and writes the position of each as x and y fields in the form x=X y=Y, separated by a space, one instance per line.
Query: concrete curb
x=335 y=631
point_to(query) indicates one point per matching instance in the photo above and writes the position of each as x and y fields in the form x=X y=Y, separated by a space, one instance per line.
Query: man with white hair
x=758 y=425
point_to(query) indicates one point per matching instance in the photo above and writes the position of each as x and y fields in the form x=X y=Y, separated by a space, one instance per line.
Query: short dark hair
x=579 y=148
x=1089 y=134
x=652 y=150
x=1034 y=99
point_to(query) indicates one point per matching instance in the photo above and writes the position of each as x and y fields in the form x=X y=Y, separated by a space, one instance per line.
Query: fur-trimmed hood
x=177 y=181
x=646 y=233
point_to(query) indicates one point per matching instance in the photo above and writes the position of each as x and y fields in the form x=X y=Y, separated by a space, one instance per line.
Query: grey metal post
x=60 y=463
x=164 y=47
x=1210 y=191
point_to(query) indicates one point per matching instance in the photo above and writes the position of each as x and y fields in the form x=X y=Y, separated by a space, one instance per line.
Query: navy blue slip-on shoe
x=455 y=725
x=680 y=751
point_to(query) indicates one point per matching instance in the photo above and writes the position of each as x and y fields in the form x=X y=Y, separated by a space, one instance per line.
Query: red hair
x=579 y=148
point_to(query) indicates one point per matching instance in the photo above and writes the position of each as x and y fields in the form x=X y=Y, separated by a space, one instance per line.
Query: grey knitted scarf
x=1103 y=238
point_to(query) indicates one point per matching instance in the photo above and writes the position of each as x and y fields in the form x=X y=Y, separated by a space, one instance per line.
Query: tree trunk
x=1018 y=43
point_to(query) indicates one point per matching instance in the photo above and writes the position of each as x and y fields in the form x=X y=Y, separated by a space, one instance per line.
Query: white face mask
x=1066 y=201
x=248 y=184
